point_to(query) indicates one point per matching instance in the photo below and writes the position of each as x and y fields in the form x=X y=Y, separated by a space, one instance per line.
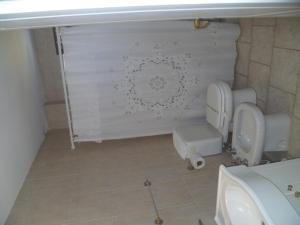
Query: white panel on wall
x=136 y=79
x=22 y=115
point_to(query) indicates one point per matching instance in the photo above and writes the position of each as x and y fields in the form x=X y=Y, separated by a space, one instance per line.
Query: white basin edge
x=263 y=193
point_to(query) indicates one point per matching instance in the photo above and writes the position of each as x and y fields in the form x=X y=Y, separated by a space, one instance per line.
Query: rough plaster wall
x=269 y=61
x=50 y=71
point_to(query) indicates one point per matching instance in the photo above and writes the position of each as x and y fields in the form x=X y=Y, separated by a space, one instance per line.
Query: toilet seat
x=248 y=133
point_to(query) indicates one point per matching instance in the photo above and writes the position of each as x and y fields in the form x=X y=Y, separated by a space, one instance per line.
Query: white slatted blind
x=143 y=78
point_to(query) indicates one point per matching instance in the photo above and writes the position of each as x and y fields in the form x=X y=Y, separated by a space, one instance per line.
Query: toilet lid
x=214 y=105
x=227 y=108
x=219 y=107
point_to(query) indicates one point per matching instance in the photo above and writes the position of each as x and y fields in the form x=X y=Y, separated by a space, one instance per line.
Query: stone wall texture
x=269 y=61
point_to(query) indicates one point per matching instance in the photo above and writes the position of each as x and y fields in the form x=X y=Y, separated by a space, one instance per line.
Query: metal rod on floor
x=158 y=220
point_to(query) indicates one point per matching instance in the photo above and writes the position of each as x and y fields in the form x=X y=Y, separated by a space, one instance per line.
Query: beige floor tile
x=207 y=218
x=181 y=215
x=203 y=190
x=50 y=213
x=155 y=159
x=25 y=192
x=57 y=139
x=56 y=115
x=51 y=203
x=132 y=200
x=171 y=194
x=141 y=218
x=48 y=156
x=163 y=173
x=58 y=169
x=108 y=221
x=95 y=206
x=103 y=184
x=211 y=167
x=93 y=182
x=64 y=182
x=214 y=161
x=20 y=214
x=124 y=179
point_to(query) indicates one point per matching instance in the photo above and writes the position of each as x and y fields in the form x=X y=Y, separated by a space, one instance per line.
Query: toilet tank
x=277 y=132
x=243 y=95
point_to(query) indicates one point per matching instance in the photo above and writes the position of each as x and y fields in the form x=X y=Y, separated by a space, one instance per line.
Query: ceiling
x=16 y=14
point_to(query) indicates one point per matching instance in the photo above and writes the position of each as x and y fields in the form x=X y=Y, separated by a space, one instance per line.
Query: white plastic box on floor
x=203 y=139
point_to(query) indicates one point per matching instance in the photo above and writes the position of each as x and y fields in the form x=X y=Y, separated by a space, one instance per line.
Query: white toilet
x=193 y=142
x=254 y=133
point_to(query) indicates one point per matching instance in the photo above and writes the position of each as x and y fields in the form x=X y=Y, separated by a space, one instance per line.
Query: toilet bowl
x=254 y=133
x=208 y=138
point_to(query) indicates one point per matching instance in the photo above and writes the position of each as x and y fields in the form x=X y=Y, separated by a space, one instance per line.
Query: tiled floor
x=102 y=184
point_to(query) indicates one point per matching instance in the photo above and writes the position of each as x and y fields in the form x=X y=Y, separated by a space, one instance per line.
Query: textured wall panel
x=135 y=79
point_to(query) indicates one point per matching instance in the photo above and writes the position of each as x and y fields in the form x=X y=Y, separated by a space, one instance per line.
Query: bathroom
x=51 y=176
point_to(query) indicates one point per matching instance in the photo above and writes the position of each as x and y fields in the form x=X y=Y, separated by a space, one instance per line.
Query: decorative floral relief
x=158 y=83
x=139 y=80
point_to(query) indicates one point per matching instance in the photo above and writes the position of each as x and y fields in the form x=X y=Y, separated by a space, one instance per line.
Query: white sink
x=246 y=197
x=240 y=207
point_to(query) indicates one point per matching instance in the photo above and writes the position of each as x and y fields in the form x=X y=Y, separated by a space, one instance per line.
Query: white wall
x=22 y=121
